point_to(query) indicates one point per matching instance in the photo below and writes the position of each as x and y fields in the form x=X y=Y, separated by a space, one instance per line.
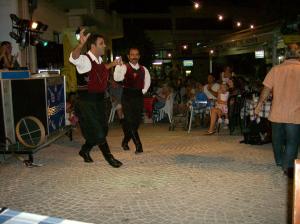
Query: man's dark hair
x=133 y=47
x=3 y=43
x=92 y=40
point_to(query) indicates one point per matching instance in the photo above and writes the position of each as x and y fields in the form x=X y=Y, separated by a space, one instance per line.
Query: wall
x=6 y=8
x=55 y=18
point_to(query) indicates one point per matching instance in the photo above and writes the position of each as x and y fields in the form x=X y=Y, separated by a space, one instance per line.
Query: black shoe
x=125 y=145
x=289 y=173
x=137 y=142
x=86 y=156
x=113 y=162
x=139 y=149
x=104 y=148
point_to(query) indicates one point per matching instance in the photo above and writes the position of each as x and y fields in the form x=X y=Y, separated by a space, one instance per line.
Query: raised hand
x=83 y=38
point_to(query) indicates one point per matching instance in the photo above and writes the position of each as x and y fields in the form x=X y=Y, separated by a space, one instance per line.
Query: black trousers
x=132 y=104
x=90 y=109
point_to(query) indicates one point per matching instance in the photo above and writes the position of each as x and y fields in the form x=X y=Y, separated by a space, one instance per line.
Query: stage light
x=45 y=43
x=34 y=25
x=14 y=18
x=15 y=36
x=220 y=17
x=27 y=32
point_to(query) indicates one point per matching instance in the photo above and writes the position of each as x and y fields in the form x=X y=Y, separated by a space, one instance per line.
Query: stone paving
x=180 y=178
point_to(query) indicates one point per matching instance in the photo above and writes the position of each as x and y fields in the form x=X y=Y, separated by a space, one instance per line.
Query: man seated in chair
x=161 y=96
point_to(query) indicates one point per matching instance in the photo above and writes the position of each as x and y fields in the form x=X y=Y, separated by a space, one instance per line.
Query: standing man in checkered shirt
x=284 y=81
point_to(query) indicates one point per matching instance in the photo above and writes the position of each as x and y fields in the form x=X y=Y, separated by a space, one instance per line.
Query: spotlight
x=15 y=36
x=14 y=19
x=45 y=43
x=34 y=25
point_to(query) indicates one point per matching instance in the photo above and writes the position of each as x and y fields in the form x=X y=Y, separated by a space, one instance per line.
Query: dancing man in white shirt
x=90 y=106
x=136 y=81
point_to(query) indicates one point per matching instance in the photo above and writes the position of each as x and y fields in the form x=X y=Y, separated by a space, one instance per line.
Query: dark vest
x=134 y=79
x=95 y=81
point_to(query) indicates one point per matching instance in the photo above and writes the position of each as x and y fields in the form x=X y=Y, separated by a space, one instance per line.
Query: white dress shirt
x=83 y=63
x=120 y=71
x=215 y=87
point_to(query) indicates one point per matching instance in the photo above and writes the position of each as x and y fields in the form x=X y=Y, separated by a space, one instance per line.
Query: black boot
x=85 y=153
x=127 y=137
x=137 y=142
x=125 y=145
x=104 y=148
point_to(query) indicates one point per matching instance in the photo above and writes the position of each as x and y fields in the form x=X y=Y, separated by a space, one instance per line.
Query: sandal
x=210 y=132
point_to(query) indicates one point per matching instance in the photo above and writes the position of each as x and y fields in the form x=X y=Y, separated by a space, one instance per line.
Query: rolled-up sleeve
x=269 y=79
x=147 y=81
x=119 y=73
x=83 y=64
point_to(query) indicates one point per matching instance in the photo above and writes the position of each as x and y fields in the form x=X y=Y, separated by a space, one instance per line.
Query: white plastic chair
x=112 y=111
x=167 y=109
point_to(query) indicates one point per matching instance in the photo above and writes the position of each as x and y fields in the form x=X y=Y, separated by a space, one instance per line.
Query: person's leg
x=278 y=142
x=292 y=143
x=137 y=110
x=83 y=111
x=126 y=122
x=85 y=152
x=104 y=148
x=213 y=117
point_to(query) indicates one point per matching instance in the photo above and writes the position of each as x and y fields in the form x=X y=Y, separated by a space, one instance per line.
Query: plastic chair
x=166 y=110
x=198 y=108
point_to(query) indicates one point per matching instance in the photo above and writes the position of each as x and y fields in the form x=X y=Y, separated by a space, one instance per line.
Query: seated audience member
x=7 y=60
x=226 y=74
x=115 y=92
x=220 y=109
x=221 y=103
x=211 y=88
x=200 y=96
x=161 y=96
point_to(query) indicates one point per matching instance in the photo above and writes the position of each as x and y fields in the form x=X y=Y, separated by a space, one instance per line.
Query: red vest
x=134 y=79
x=96 y=79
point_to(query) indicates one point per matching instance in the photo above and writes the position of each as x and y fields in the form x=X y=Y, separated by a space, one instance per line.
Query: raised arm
x=120 y=72
x=77 y=51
